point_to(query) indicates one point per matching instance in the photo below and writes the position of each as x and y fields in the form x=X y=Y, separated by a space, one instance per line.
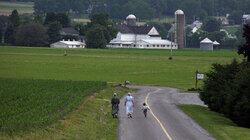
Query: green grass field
x=21 y=7
x=143 y=67
x=216 y=124
x=92 y=119
x=231 y=29
x=31 y=104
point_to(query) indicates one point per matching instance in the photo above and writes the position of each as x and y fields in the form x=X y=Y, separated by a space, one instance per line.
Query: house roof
x=206 y=40
x=246 y=16
x=125 y=29
x=69 y=30
x=72 y=42
x=216 y=43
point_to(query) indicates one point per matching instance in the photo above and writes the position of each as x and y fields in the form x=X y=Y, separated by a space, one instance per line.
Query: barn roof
x=125 y=29
x=206 y=40
x=69 y=30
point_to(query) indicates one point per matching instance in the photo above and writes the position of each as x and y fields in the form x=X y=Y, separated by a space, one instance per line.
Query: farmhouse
x=132 y=36
x=68 y=44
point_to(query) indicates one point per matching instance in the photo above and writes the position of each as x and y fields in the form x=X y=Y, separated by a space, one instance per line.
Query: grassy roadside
x=92 y=120
x=216 y=124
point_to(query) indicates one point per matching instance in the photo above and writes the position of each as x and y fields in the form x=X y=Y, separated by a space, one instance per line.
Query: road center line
x=164 y=130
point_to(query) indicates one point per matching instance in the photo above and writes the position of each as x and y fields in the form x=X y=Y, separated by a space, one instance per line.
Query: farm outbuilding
x=68 y=44
x=206 y=44
x=216 y=45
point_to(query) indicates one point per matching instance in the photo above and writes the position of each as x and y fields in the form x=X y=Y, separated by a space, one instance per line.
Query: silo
x=180 y=29
x=131 y=20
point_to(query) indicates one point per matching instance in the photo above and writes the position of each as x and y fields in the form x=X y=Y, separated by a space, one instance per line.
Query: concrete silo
x=180 y=29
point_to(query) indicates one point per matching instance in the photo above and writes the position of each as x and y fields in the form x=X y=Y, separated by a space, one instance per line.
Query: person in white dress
x=129 y=103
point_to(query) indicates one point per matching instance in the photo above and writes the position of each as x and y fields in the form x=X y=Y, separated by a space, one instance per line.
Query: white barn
x=132 y=36
x=68 y=44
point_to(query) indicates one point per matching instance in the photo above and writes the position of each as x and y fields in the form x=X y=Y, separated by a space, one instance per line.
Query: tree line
x=226 y=86
x=37 y=31
x=148 y=9
x=42 y=31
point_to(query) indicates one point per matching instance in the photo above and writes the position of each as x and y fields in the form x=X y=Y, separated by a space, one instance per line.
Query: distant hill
x=146 y=9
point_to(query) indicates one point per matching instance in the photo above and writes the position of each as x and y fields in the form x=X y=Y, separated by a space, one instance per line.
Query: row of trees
x=33 y=32
x=226 y=88
x=148 y=9
x=44 y=31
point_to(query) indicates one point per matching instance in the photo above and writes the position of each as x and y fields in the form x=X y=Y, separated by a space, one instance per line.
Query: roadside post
x=198 y=76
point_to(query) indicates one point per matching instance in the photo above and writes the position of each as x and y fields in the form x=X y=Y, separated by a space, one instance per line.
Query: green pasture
x=29 y=104
x=142 y=67
x=231 y=29
x=216 y=124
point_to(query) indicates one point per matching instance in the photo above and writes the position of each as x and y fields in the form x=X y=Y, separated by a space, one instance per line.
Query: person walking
x=115 y=105
x=145 y=109
x=129 y=103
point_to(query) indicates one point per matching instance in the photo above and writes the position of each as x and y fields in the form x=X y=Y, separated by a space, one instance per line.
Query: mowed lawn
x=142 y=67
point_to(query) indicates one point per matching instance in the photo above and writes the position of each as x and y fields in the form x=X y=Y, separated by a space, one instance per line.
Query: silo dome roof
x=179 y=12
x=131 y=16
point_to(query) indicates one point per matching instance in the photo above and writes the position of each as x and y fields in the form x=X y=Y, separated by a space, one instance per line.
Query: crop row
x=28 y=104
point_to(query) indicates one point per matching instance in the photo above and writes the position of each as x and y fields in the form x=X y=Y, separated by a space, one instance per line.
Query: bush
x=226 y=91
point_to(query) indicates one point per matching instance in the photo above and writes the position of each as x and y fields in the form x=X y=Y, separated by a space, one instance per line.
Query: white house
x=132 y=36
x=68 y=44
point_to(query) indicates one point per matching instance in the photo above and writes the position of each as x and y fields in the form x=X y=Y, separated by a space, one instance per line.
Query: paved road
x=167 y=122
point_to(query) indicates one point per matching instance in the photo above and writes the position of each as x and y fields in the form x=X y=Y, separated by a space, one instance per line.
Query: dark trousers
x=145 y=112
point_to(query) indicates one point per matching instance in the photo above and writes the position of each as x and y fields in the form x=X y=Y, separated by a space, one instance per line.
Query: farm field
x=142 y=67
x=231 y=29
x=216 y=124
x=32 y=104
x=22 y=7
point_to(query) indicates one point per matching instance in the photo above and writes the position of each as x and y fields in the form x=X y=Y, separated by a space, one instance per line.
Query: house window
x=153 y=45
x=157 y=45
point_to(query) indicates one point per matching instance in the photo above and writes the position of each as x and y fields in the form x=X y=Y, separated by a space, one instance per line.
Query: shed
x=68 y=44
x=206 y=44
x=216 y=45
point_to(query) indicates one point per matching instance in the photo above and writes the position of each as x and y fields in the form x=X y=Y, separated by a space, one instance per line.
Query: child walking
x=145 y=109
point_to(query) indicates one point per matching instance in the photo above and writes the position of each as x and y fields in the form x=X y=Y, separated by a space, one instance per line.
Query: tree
x=217 y=35
x=38 y=19
x=62 y=18
x=54 y=31
x=245 y=48
x=226 y=90
x=235 y=17
x=14 y=18
x=9 y=34
x=3 y=23
x=211 y=25
x=95 y=37
x=100 y=31
x=31 y=34
x=50 y=17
